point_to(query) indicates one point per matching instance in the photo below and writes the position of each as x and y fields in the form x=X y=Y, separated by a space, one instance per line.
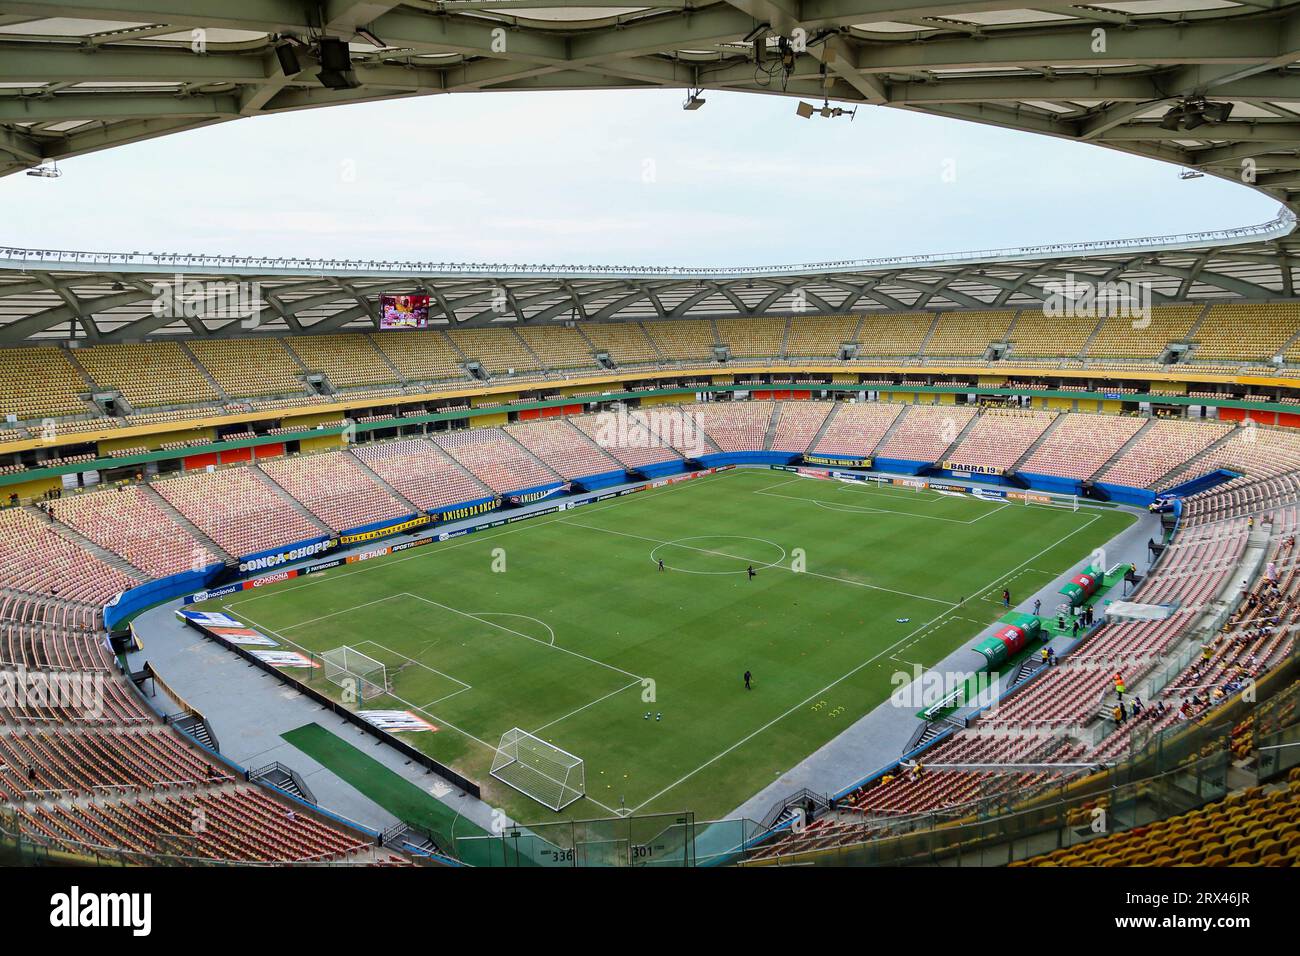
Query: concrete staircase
x=771 y=425
x=85 y=544
x=374 y=476
x=524 y=448
x=889 y=432
x=835 y=410
x=170 y=510
x=487 y=492
x=583 y=437
x=1122 y=450
x=1192 y=468
x=947 y=452
x=289 y=499
x=1052 y=426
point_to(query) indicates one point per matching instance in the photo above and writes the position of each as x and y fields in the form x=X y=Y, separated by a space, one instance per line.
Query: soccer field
x=564 y=626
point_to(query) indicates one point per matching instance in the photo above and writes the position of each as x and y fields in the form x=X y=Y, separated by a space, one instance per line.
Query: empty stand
x=334 y=489
x=797 y=424
x=421 y=472
x=349 y=360
x=1166 y=444
x=563 y=448
x=39 y=383
x=236 y=510
x=926 y=431
x=495 y=459
x=245 y=368
x=130 y=523
x=967 y=333
x=148 y=374
x=1081 y=444
x=857 y=428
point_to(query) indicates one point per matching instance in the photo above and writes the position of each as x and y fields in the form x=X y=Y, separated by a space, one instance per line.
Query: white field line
x=429 y=551
x=858 y=509
x=441 y=721
x=776 y=567
x=635 y=683
x=888 y=650
x=418 y=663
x=527 y=637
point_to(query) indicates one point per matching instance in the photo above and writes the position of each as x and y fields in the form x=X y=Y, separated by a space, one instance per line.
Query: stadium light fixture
x=336 y=71
x=806 y=110
x=693 y=100
x=1193 y=113
x=370 y=37
x=46 y=172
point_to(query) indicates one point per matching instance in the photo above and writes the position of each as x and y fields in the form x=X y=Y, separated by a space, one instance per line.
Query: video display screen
x=404 y=311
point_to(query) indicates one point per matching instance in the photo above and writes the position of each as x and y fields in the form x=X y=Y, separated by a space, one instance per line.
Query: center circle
x=717 y=554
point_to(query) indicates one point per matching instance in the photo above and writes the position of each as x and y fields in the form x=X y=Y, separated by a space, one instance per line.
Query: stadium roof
x=82 y=75
x=101 y=297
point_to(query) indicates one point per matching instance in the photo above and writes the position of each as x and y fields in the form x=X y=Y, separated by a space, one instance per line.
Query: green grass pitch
x=562 y=625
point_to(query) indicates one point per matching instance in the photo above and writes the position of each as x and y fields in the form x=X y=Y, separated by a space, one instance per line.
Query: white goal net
x=551 y=776
x=353 y=671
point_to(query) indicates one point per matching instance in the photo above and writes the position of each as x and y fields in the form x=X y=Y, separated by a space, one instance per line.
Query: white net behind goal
x=353 y=671
x=551 y=776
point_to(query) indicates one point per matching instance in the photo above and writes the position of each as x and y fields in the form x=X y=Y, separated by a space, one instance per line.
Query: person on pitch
x=748 y=678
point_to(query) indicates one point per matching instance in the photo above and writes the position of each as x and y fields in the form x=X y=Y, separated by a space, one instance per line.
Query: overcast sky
x=605 y=177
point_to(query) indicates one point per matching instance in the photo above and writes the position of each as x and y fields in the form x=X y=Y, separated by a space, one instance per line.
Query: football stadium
x=978 y=558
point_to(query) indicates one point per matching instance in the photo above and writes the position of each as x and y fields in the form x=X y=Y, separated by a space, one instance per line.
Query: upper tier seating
x=857 y=428
x=797 y=424
x=421 y=355
x=1037 y=335
x=495 y=459
x=886 y=334
x=499 y=351
x=236 y=509
x=623 y=437
x=1138 y=338
x=37 y=560
x=751 y=338
x=688 y=340
x=926 y=431
x=558 y=346
x=245 y=368
x=1165 y=445
x=347 y=358
x=149 y=374
x=421 y=472
x=1080 y=444
x=1253 y=332
x=562 y=447
x=734 y=426
x=335 y=489
x=820 y=336
x=968 y=333
x=38 y=383
x=131 y=523
x=625 y=342
x=1000 y=437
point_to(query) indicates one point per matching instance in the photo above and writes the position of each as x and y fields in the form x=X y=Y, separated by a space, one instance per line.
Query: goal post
x=551 y=776
x=350 y=669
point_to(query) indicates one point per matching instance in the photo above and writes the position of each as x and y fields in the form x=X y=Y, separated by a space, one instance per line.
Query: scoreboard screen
x=408 y=311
